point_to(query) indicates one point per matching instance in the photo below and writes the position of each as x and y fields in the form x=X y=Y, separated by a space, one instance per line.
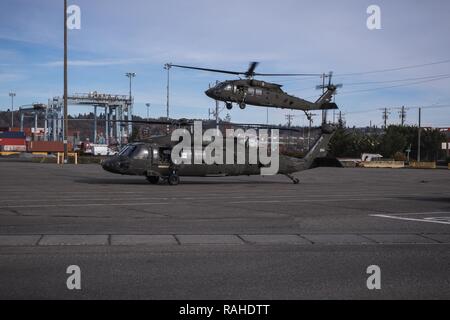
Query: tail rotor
x=328 y=90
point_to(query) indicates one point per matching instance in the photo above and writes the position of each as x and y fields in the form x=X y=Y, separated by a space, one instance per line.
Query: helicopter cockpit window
x=140 y=153
x=127 y=150
x=228 y=87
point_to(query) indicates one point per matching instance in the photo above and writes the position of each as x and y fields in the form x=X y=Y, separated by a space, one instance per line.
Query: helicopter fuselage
x=153 y=160
x=259 y=93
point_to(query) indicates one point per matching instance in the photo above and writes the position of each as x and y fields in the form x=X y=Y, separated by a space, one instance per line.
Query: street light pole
x=66 y=122
x=167 y=67
x=418 y=136
x=130 y=75
x=12 y=95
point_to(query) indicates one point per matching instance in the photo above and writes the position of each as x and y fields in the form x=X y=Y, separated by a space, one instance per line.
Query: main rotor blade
x=162 y=122
x=190 y=122
x=287 y=74
x=209 y=70
x=251 y=70
x=262 y=126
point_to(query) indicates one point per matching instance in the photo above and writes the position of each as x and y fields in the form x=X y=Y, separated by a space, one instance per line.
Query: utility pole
x=267 y=115
x=210 y=113
x=341 y=120
x=148 y=111
x=289 y=118
x=310 y=119
x=130 y=75
x=385 y=117
x=402 y=114
x=418 y=136
x=66 y=122
x=12 y=95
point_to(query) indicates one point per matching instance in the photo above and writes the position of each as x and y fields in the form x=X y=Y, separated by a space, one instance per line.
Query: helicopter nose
x=110 y=165
x=106 y=164
x=209 y=93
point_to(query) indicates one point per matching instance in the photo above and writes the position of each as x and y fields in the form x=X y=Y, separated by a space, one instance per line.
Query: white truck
x=371 y=157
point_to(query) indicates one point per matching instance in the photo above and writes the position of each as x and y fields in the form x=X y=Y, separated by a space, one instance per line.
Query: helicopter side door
x=140 y=160
x=254 y=95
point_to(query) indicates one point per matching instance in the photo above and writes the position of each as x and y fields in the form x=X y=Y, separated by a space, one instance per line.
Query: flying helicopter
x=250 y=91
x=152 y=158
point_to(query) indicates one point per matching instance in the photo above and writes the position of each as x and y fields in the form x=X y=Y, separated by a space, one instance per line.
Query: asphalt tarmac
x=224 y=238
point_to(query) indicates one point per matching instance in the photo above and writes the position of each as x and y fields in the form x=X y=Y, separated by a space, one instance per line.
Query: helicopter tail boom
x=328 y=106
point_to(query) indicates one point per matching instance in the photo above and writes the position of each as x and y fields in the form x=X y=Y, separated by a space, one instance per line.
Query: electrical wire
x=393 y=69
x=396 y=86
x=398 y=80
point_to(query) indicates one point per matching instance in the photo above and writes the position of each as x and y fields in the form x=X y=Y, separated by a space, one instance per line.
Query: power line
x=431 y=78
x=398 y=80
x=393 y=69
x=412 y=107
x=396 y=86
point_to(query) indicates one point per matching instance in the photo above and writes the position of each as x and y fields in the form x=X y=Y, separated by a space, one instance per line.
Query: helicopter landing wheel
x=229 y=105
x=242 y=105
x=153 y=179
x=293 y=179
x=173 y=179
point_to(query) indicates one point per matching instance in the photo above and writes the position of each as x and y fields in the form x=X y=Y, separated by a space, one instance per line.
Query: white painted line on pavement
x=409 y=219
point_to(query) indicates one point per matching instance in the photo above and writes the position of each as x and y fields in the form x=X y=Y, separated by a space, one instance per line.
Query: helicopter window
x=228 y=87
x=165 y=154
x=127 y=150
x=251 y=91
x=140 y=153
x=258 y=92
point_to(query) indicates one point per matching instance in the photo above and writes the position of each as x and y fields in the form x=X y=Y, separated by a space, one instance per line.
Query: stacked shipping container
x=15 y=141
x=12 y=141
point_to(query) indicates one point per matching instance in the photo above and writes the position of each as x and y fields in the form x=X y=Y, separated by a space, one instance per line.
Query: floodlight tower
x=12 y=95
x=65 y=120
x=130 y=75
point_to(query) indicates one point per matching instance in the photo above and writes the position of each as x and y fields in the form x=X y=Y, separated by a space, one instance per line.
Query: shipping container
x=26 y=130
x=12 y=142
x=47 y=146
x=8 y=148
x=12 y=134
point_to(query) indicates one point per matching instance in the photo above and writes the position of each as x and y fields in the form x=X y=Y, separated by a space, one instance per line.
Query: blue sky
x=285 y=36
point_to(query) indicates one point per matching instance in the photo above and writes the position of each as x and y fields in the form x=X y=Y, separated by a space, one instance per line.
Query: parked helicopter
x=261 y=93
x=152 y=159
